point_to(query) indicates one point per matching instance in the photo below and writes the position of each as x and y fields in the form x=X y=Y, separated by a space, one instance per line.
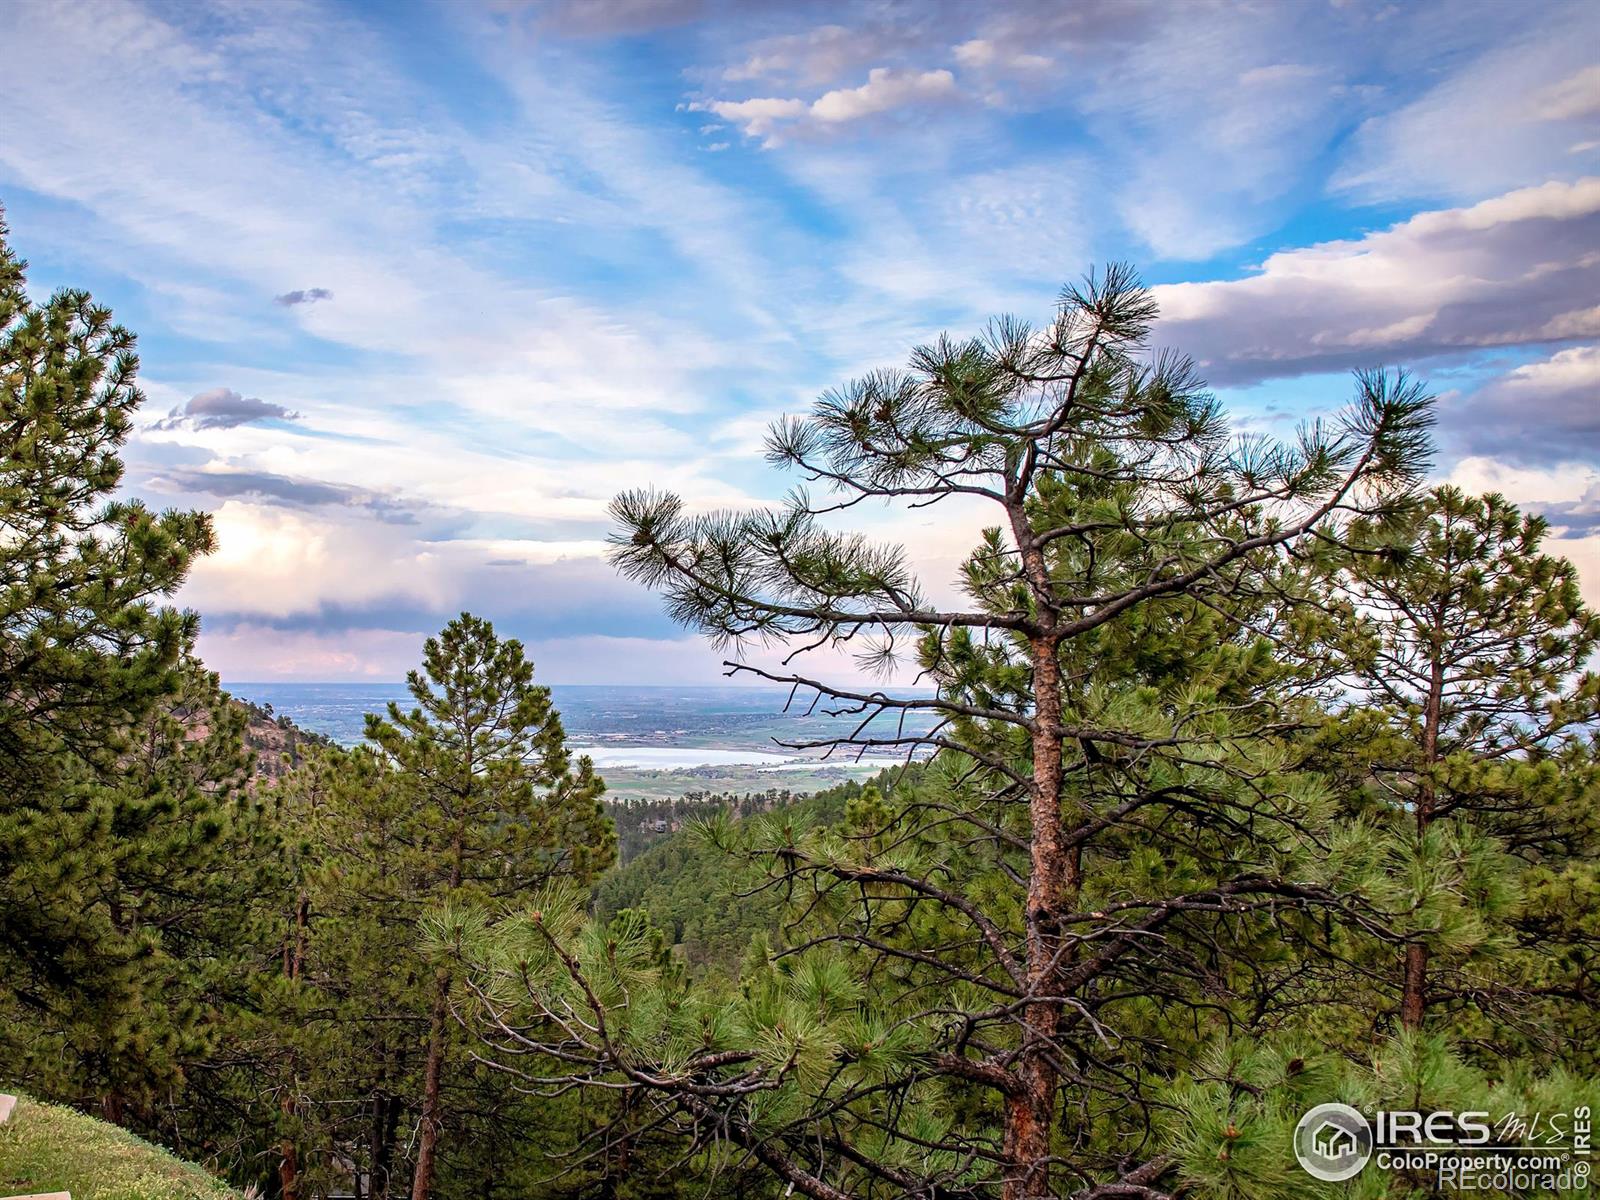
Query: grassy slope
x=46 y=1148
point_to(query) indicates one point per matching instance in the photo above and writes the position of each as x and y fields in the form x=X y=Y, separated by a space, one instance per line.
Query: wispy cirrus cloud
x=1509 y=114
x=1570 y=99
x=814 y=56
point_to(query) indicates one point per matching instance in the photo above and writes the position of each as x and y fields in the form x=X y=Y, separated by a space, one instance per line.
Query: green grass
x=46 y=1148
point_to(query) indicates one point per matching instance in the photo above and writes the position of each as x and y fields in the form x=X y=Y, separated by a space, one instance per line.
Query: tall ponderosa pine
x=1476 y=672
x=1117 y=832
x=89 y=663
x=496 y=806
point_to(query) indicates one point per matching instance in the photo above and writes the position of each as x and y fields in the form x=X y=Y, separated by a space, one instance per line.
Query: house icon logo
x=1333 y=1142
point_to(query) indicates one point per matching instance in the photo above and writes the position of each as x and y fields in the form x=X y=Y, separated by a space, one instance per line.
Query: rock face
x=279 y=744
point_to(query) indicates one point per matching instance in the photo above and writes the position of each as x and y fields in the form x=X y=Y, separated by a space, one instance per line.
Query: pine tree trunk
x=1414 y=986
x=1052 y=884
x=385 y=1125
x=113 y=1108
x=1414 y=992
x=433 y=1069
x=377 y=1185
x=428 y=1143
x=288 y=1170
x=380 y=1132
x=294 y=956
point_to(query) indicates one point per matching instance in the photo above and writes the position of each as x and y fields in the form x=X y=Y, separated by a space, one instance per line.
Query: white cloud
x=1519 y=269
x=1524 y=484
x=759 y=116
x=886 y=89
x=278 y=562
x=1570 y=370
x=1567 y=494
x=980 y=54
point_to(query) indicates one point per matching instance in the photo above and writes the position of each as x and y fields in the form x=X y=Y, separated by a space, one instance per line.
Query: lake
x=645 y=727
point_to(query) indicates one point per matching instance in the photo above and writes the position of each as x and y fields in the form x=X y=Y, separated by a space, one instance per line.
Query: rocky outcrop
x=279 y=744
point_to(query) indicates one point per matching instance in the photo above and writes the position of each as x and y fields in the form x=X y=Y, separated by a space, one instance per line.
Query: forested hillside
x=707 y=908
x=642 y=823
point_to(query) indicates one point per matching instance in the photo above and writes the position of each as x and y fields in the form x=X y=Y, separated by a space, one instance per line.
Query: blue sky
x=419 y=286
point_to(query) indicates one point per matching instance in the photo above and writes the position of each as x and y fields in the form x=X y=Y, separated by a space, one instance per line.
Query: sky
x=420 y=286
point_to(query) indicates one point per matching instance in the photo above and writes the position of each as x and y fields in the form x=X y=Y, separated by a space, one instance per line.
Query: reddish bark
x=1052 y=886
x=428 y=1140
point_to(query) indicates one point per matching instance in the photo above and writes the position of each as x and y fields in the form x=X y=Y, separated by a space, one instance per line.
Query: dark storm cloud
x=224 y=408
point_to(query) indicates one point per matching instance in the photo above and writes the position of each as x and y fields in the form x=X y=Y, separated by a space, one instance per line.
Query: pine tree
x=1478 y=735
x=89 y=666
x=495 y=807
x=1114 y=819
